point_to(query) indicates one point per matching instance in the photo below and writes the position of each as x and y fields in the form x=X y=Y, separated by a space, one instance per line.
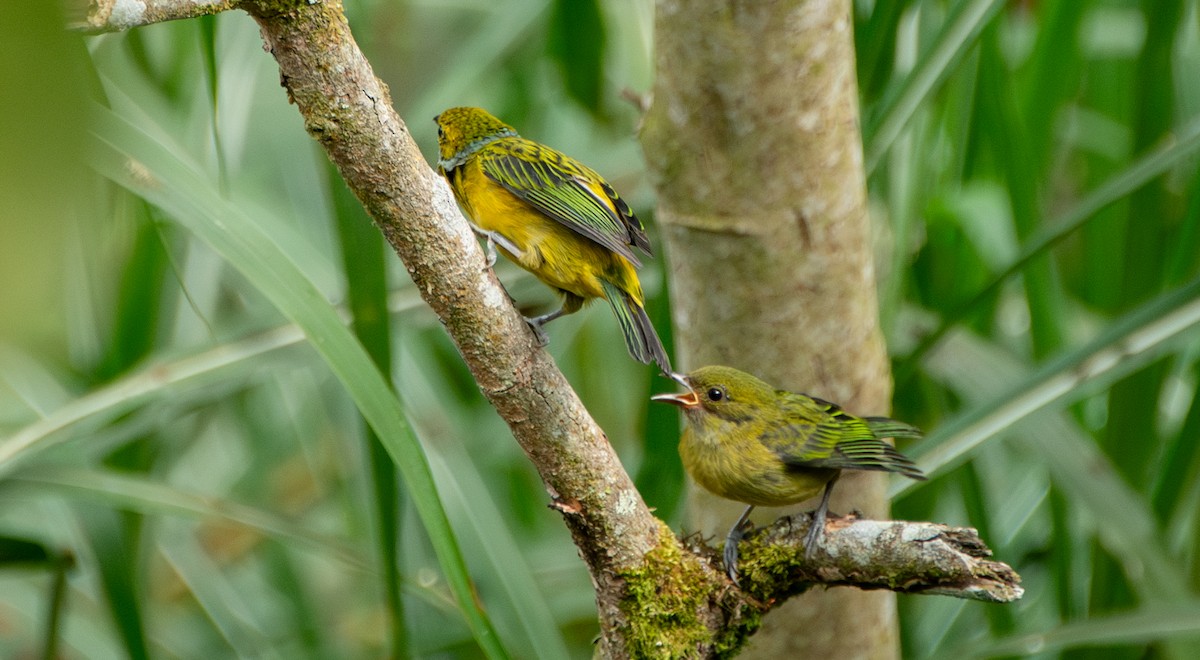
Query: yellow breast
x=736 y=466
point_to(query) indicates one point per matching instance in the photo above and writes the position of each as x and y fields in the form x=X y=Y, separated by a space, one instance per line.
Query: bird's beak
x=684 y=400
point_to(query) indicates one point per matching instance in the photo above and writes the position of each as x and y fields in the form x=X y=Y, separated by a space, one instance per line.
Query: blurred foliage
x=166 y=422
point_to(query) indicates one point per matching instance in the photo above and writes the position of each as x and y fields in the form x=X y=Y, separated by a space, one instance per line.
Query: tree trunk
x=753 y=138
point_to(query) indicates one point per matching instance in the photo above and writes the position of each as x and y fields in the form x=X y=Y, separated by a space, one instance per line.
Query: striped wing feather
x=819 y=434
x=557 y=186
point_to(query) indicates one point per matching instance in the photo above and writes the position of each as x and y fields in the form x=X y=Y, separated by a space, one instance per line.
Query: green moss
x=764 y=567
x=730 y=642
x=664 y=598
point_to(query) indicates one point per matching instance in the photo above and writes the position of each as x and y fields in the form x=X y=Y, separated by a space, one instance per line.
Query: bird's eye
x=715 y=394
x=441 y=133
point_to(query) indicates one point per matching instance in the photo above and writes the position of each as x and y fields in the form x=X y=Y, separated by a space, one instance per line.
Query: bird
x=748 y=441
x=553 y=216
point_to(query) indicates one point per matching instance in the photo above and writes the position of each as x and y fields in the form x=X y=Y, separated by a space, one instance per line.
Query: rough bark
x=754 y=142
x=899 y=556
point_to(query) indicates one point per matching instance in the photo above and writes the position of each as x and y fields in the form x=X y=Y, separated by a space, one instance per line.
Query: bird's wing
x=808 y=430
x=819 y=434
x=558 y=186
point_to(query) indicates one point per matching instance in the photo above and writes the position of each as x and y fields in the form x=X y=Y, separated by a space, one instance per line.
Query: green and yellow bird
x=553 y=216
x=744 y=440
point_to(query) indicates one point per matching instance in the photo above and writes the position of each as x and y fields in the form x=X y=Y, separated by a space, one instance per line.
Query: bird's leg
x=496 y=238
x=571 y=304
x=731 y=543
x=537 y=322
x=491 y=253
x=818 y=522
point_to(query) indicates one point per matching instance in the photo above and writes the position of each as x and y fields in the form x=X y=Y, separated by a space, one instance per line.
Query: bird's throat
x=472 y=148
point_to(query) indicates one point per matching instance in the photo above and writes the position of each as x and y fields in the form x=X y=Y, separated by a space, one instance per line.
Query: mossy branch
x=655 y=594
x=679 y=604
x=906 y=557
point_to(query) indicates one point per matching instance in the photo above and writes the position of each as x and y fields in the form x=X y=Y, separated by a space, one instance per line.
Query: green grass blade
x=1185 y=253
x=577 y=42
x=998 y=112
x=139 y=304
x=184 y=192
x=56 y=607
x=528 y=614
x=111 y=544
x=297 y=600
x=1172 y=153
x=893 y=113
x=1137 y=627
x=362 y=248
x=1132 y=341
x=1052 y=78
x=153 y=383
x=1180 y=466
x=875 y=44
x=207 y=36
x=1124 y=519
x=135 y=493
x=224 y=604
x=1143 y=271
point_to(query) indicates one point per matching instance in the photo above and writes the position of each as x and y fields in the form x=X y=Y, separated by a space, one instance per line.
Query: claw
x=735 y=535
x=731 y=558
x=817 y=528
x=535 y=324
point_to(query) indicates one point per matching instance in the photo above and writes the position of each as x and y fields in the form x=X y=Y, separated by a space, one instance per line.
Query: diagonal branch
x=349 y=112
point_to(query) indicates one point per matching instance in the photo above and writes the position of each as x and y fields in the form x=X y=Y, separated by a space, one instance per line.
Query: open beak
x=684 y=400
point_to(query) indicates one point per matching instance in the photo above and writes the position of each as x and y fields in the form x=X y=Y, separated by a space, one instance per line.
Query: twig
x=114 y=15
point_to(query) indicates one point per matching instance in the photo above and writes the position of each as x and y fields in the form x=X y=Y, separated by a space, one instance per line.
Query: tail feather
x=872 y=454
x=640 y=338
x=883 y=427
x=862 y=452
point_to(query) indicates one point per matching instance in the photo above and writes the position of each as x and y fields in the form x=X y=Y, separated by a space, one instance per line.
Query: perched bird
x=553 y=216
x=747 y=441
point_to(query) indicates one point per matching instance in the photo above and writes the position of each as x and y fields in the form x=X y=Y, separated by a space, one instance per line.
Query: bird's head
x=723 y=392
x=462 y=131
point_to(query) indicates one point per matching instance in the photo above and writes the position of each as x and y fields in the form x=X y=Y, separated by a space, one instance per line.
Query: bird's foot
x=731 y=558
x=535 y=324
x=731 y=547
x=816 y=529
x=817 y=526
